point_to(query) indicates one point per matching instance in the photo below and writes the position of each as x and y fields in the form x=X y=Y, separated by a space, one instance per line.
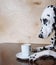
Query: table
x=8 y=54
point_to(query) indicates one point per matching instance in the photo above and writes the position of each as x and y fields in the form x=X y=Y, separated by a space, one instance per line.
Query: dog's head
x=48 y=19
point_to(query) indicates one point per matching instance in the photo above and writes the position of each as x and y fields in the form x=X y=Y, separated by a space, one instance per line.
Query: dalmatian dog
x=48 y=22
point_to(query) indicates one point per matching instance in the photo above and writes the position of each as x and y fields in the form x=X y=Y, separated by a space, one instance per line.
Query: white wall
x=19 y=20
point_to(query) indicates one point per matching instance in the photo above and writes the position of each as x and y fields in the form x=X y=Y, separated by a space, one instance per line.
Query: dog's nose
x=40 y=36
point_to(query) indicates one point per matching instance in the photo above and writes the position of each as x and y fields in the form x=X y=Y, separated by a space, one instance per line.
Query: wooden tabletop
x=8 y=54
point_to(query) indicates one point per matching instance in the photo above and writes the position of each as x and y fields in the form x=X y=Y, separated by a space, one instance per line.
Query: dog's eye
x=45 y=21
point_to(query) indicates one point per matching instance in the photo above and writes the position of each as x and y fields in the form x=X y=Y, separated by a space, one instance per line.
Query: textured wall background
x=19 y=20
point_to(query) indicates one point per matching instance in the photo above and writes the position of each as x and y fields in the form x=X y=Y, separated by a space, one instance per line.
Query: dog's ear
x=55 y=19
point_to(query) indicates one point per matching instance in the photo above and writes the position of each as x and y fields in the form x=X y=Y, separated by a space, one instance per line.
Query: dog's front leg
x=37 y=55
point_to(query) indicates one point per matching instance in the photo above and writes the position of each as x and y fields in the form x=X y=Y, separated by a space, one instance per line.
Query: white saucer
x=20 y=56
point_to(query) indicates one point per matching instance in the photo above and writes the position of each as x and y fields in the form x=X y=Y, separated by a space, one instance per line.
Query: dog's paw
x=32 y=57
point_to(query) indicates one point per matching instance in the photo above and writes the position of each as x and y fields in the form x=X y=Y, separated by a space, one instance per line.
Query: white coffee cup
x=26 y=50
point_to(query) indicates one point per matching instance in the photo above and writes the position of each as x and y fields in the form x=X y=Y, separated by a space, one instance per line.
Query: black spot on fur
x=46 y=24
x=30 y=57
x=45 y=21
x=54 y=26
x=55 y=19
x=51 y=38
x=48 y=15
x=41 y=49
x=42 y=27
x=42 y=32
x=51 y=48
x=44 y=48
x=49 y=34
x=54 y=10
x=35 y=54
x=50 y=6
x=40 y=19
x=34 y=57
x=52 y=42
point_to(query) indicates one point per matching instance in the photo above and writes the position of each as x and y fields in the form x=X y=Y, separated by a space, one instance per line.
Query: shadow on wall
x=19 y=20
